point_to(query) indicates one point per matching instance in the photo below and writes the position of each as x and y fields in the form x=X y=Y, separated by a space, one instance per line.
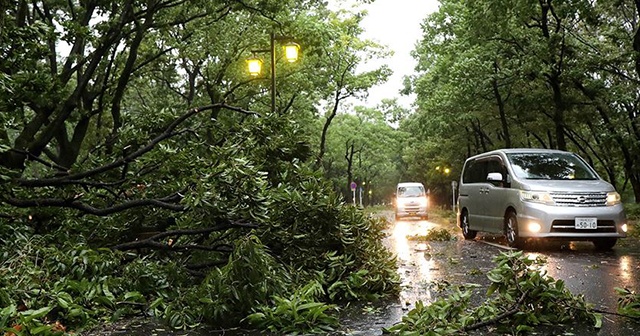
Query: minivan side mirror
x=495 y=177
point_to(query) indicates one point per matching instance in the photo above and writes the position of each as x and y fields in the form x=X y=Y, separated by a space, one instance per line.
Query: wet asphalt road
x=426 y=267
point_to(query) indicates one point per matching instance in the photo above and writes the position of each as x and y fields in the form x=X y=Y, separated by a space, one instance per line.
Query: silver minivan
x=538 y=193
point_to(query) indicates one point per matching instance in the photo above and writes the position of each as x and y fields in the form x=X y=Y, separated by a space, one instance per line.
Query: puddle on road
x=416 y=267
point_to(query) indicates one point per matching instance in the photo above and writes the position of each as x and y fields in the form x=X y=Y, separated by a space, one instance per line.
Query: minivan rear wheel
x=604 y=244
x=511 y=230
x=464 y=225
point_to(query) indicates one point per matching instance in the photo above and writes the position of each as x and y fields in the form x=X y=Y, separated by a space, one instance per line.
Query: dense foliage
x=46 y=283
x=143 y=171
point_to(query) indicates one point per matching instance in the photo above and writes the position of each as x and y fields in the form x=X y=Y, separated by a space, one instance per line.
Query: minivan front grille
x=593 y=199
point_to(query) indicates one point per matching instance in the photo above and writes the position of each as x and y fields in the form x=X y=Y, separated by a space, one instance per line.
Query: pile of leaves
x=307 y=256
x=434 y=235
x=520 y=297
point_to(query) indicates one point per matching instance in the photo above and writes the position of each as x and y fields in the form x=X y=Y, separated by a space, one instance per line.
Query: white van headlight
x=536 y=197
x=613 y=198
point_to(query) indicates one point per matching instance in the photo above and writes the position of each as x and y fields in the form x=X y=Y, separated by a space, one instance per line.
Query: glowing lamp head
x=255 y=66
x=291 y=51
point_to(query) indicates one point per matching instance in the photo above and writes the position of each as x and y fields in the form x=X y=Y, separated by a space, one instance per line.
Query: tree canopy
x=531 y=74
x=134 y=126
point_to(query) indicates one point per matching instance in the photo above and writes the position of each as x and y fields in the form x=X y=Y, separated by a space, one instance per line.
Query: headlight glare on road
x=534 y=227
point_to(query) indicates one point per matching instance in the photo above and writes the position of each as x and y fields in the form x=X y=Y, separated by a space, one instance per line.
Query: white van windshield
x=550 y=166
x=411 y=191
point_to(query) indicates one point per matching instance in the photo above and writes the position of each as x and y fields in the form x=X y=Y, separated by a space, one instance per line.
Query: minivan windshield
x=550 y=166
x=411 y=191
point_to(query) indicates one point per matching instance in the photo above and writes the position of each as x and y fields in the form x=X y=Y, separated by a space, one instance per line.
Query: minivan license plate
x=586 y=223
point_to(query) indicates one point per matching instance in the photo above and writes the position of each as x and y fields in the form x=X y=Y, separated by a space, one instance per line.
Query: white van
x=538 y=193
x=411 y=200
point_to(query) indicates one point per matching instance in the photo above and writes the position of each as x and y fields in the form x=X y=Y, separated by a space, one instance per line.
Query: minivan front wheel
x=511 y=230
x=464 y=225
x=604 y=244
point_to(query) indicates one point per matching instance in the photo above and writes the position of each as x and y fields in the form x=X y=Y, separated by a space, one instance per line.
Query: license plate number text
x=586 y=223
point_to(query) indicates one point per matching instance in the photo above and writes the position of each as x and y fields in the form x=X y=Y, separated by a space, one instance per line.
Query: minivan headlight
x=536 y=197
x=613 y=198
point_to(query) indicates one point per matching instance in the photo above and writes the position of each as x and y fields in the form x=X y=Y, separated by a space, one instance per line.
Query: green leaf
x=29 y=315
x=43 y=329
x=598 y=320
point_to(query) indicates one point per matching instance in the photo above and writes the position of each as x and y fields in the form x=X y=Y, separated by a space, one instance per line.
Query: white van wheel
x=464 y=225
x=511 y=230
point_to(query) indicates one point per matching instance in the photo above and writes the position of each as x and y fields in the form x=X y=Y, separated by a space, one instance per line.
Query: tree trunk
x=636 y=40
x=348 y=155
x=325 y=129
x=500 y=103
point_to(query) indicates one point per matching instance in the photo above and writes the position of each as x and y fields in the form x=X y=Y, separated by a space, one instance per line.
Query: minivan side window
x=476 y=172
x=495 y=165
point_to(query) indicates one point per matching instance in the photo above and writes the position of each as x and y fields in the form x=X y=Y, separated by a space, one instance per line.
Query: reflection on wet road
x=413 y=258
x=584 y=270
x=595 y=275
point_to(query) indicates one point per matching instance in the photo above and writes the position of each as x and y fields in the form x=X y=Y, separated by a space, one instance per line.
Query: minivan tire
x=511 y=230
x=604 y=244
x=464 y=225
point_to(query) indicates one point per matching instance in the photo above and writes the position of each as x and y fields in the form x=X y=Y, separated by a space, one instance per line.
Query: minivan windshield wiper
x=560 y=179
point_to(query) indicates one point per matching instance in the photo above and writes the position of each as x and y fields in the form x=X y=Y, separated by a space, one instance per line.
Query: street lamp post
x=272 y=38
x=291 y=50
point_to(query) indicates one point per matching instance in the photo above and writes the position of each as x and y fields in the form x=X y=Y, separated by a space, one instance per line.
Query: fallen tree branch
x=514 y=310
x=152 y=242
x=216 y=248
x=169 y=203
x=167 y=133
x=637 y=318
x=196 y=267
